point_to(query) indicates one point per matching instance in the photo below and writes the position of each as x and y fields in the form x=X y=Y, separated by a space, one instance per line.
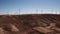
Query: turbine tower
x=19 y=11
x=37 y=11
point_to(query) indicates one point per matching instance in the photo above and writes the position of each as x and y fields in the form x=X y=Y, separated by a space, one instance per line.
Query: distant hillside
x=26 y=22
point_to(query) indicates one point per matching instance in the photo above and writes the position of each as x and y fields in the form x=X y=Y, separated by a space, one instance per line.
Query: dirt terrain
x=30 y=24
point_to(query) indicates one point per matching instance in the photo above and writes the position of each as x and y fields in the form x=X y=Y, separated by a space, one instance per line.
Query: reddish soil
x=25 y=23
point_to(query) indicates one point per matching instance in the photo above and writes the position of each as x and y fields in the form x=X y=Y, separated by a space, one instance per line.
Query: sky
x=14 y=6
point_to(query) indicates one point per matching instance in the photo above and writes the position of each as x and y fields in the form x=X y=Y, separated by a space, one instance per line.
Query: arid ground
x=30 y=24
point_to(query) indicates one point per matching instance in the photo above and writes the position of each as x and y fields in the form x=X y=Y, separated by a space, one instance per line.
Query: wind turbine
x=19 y=11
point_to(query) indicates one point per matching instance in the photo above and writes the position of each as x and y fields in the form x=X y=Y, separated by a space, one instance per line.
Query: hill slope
x=25 y=23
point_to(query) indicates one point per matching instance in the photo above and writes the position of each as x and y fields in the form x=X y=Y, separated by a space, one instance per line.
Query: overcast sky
x=26 y=6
